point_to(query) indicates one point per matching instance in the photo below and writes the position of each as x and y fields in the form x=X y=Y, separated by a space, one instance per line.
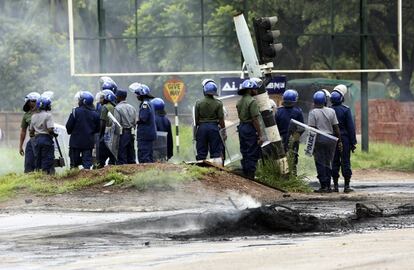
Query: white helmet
x=32 y=96
x=341 y=89
x=327 y=94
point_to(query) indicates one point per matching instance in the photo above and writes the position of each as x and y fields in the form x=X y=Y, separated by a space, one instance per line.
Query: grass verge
x=384 y=156
x=71 y=180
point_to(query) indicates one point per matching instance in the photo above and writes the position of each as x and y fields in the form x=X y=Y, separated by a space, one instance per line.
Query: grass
x=384 y=156
x=268 y=172
x=41 y=184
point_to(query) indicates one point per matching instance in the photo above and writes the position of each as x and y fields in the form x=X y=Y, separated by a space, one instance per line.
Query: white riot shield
x=314 y=143
x=112 y=135
x=194 y=130
x=230 y=137
x=63 y=140
x=160 y=150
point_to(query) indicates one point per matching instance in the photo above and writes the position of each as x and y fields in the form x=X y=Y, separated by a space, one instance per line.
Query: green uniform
x=209 y=110
x=247 y=108
x=104 y=113
x=27 y=117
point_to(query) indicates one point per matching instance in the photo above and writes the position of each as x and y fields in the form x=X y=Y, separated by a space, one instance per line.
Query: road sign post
x=174 y=91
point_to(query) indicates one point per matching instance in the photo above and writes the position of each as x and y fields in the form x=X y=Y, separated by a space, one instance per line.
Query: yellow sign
x=174 y=90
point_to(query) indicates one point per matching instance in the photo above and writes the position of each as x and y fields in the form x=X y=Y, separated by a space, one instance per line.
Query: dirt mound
x=212 y=189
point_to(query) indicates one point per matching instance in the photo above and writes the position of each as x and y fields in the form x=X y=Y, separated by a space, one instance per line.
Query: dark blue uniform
x=82 y=125
x=283 y=116
x=248 y=110
x=164 y=124
x=146 y=132
x=347 y=128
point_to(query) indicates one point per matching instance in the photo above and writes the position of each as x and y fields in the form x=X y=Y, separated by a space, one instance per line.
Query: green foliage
x=384 y=156
x=269 y=173
x=186 y=145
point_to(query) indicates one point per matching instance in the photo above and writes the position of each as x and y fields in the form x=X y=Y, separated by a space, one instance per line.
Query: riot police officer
x=28 y=108
x=324 y=119
x=42 y=129
x=82 y=125
x=250 y=134
x=283 y=115
x=146 y=128
x=163 y=124
x=342 y=160
x=109 y=102
x=127 y=118
x=209 y=118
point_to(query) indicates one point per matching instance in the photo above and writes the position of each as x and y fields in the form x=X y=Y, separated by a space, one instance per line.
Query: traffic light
x=266 y=38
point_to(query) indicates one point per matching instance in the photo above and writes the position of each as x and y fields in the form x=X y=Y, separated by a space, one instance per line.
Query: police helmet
x=205 y=81
x=110 y=96
x=210 y=88
x=341 y=88
x=337 y=97
x=140 y=89
x=158 y=104
x=86 y=97
x=319 y=98
x=32 y=96
x=44 y=103
x=258 y=81
x=290 y=96
x=247 y=85
x=108 y=84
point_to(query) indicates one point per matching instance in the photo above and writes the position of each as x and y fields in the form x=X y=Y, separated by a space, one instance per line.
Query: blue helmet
x=140 y=89
x=337 y=97
x=319 y=98
x=44 y=103
x=290 y=96
x=86 y=97
x=110 y=96
x=247 y=85
x=158 y=104
x=210 y=88
x=108 y=84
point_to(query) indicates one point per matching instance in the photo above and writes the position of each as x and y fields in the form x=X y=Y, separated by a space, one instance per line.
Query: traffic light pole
x=275 y=148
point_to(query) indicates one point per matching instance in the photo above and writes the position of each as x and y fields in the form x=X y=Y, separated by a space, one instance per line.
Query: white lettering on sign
x=310 y=143
x=276 y=85
x=227 y=87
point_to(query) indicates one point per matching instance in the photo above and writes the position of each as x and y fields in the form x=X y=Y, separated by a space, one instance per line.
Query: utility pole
x=363 y=17
x=102 y=35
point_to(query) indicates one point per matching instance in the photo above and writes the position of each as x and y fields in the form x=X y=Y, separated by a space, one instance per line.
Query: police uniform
x=29 y=157
x=82 y=125
x=44 y=148
x=283 y=116
x=247 y=110
x=323 y=119
x=146 y=132
x=208 y=113
x=104 y=152
x=126 y=116
x=347 y=128
x=163 y=124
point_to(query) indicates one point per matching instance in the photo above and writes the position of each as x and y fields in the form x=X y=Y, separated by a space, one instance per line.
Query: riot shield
x=63 y=141
x=112 y=135
x=317 y=144
x=160 y=151
x=194 y=130
x=230 y=137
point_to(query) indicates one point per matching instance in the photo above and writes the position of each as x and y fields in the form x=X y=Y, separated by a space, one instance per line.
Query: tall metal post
x=102 y=34
x=364 y=75
x=203 y=47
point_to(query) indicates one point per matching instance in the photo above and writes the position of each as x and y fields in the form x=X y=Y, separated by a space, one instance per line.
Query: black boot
x=335 y=188
x=347 y=188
